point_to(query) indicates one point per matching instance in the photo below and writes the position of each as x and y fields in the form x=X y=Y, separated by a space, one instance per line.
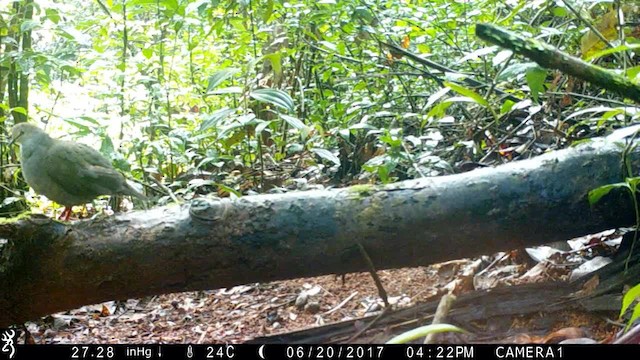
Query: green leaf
x=327 y=155
x=596 y=194
x=424 y=331
x=106 y=147
x=215 y=117
x=85 y=124
x=276 y=97
x=439 y=110
x=230 y=190
x=512 y=72
x=595 y=109
x=19 y=110
x=506 y=106
x=294 y=122
x=53 y=15
x=433 y=98
x=535 y=79
x=148 y=52
x=633 y=181
x=468 y=93
x=629 y=297
x=632 y=72
x=635 y=315
x=266 y=16
x=329 y=45
x=262 y=125
x=219 y=76
x=28 y=25
x=276 y=62
x=608 y=51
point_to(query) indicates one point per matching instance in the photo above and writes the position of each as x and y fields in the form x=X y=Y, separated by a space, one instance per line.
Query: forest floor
x=241 y=313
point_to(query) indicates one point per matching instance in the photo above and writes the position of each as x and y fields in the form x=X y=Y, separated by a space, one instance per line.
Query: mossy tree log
x=550 y=57
x=47 y=266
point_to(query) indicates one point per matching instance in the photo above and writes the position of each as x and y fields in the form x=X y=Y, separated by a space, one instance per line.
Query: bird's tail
x=130 y=190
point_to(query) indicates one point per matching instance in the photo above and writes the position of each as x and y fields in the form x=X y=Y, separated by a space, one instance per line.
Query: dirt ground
x=241 y=313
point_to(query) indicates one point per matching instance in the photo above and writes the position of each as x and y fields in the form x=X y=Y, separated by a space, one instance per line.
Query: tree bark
x=46 y=266
x=549 y=57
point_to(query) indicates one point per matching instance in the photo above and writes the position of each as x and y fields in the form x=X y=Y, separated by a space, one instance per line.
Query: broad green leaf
x=633 y=183
x=360 y=85
x=89 y=119
x=276 y=62
x=214 y=118
x=507 y=105
x=467 y=92
x=329 y=45
x=246 y=119
x=19 y=110
x=478 y=53
x=596 y=194
x=327 y=155
x=559 y=11
x=501 y=57
x=219 y=76
x=266 y=16
x=439 y=110
x=595 y=109
x=148 y=52
x=609 y=115
x=262 y=125
x=635 y=315
x=53 y=15
x=227 y=129
x=235 y=137
x=106 y=147
x=84 y=123
x=514 y=71
x=294 y=122
x=629 y=298
x=633 y=72
x=608 y=51
x=383 y=174
x=535 y=79
x=230 y=190
x=275 y=97
x=433 y=98
x=423 y=331
x=29 y=25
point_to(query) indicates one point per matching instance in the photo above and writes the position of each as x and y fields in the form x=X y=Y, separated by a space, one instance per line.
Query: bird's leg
x=66 y=213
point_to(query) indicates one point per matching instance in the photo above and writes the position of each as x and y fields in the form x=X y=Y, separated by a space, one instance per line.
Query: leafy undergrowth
x=242 y=313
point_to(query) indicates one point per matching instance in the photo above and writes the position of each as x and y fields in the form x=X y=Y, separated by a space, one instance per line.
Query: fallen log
x=47 y=266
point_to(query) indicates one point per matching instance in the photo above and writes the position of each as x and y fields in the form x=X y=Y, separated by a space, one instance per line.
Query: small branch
x=372 y=270
x=549 y=57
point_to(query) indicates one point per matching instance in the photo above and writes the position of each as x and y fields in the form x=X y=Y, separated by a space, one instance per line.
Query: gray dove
x=66 y=172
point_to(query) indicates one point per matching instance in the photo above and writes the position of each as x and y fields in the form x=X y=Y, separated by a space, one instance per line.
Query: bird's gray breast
x=35 y=165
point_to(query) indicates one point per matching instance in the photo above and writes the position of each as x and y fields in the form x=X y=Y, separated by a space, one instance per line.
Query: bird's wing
x=81 y=170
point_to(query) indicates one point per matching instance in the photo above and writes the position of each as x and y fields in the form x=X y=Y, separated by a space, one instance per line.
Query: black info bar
x=11 y=350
